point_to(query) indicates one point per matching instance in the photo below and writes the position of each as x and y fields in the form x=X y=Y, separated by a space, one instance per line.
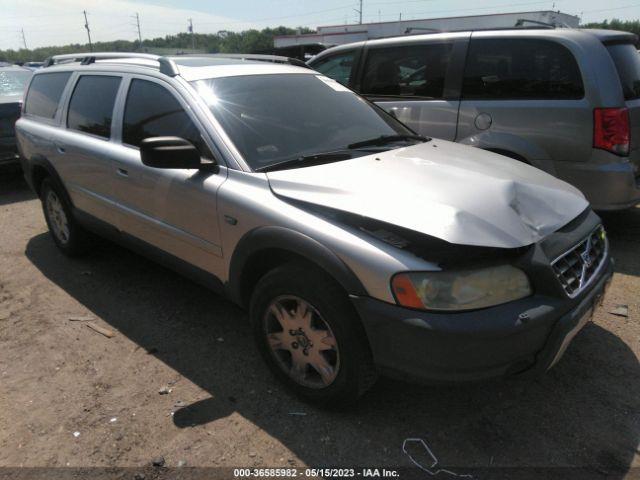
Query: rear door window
x=627 y=61
x=407 y=71
x=519 y=68
x=45 y=92
x=339 y=66
x=91 y=105
x=152 y=111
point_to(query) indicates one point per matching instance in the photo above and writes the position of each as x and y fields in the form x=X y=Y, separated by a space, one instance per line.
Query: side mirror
x=169 y=152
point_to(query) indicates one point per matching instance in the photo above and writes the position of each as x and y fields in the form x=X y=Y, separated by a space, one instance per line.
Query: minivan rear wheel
x=310 y=336
x=68 y=235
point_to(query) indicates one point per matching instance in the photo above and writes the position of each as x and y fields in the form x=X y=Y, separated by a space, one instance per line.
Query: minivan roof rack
x=522 y=21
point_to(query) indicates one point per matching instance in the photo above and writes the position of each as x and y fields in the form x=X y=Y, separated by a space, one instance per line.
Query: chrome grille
x=577 y=267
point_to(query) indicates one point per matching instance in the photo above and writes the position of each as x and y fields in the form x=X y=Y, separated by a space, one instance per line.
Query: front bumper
x=520 y=337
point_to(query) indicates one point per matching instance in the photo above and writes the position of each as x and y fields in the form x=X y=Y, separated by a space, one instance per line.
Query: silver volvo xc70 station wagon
x=563 y=100
x=358 y=246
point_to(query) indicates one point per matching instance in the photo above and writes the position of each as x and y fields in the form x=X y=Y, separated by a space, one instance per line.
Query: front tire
x=310 y=335
x=68 y=235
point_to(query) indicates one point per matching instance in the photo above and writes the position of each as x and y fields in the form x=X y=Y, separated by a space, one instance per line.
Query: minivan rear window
x=627 y=61
x=44 y=94
x=520 y=68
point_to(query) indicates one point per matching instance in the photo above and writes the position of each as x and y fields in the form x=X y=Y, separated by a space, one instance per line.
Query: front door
x=172 y=209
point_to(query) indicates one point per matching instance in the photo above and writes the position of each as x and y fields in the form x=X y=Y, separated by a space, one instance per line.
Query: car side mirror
x=169 y=152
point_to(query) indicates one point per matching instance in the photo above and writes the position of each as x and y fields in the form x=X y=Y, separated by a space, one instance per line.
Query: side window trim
x=64 y=120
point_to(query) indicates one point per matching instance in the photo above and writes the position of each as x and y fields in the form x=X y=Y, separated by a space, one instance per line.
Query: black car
x=13 y=81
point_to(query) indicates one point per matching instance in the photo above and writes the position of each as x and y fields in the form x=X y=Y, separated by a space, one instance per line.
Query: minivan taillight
x=611 y=130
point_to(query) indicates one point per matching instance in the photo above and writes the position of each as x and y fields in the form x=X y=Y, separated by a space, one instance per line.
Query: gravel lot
x=58 y=377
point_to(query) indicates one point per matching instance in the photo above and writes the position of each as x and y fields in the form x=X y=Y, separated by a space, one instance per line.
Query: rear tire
x=67 y=233
x=310 y=335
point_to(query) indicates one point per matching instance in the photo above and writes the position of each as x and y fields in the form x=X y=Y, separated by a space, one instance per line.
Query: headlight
x=460 y=290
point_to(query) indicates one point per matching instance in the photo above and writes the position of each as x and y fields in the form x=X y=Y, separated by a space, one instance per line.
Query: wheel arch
x=40 y=168
x=265 y=248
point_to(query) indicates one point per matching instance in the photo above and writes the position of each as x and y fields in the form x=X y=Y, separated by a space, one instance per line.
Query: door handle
x=122 y=172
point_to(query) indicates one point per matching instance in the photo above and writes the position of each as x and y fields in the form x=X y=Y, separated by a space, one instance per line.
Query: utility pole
x=86 y=25
x=359 y=12
x=139 y=34
x=193 y=39
x=24 y=40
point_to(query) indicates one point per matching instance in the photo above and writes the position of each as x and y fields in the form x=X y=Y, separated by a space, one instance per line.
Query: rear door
x=84 y=147
x=417 y=80
x=525 y=96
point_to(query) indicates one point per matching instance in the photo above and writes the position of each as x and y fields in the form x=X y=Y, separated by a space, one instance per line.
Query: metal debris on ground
x=620 y=311
x=432 y=469
x=81 y=318
x=165 y=390
x=102 y=331
x=76 y=434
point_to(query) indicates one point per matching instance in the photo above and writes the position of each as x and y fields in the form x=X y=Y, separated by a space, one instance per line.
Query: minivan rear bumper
x=523 y=337
x=609 y=182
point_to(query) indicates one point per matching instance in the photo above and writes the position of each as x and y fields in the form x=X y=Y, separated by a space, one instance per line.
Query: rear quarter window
x=519 y=68
x=91 y=105
x=44 y=94
x=627 y=61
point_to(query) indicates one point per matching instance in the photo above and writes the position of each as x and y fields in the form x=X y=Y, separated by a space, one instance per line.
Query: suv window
x=91 y=105
x=338 y=67
x=45 y=92
x=153 y=111
x=627 y=61
x=407 y=70
x=518 y=68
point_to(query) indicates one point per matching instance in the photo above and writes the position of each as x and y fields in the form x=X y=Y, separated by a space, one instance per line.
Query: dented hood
x=459 y=194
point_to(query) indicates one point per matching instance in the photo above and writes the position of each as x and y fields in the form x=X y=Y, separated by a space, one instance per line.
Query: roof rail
x=258 y=57
x=88 y=58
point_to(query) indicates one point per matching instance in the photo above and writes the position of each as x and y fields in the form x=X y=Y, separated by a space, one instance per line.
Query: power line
x=193 y=39
x=137 y=17
x=86 y=25
x=359 y=12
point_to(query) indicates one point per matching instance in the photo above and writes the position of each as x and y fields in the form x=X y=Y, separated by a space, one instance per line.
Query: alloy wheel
x=301 y=342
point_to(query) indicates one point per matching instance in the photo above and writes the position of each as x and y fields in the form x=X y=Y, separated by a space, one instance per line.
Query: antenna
x=24 y=40
x=86 y=25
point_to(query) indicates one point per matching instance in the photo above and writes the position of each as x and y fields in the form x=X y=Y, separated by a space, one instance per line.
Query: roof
x=191 y=67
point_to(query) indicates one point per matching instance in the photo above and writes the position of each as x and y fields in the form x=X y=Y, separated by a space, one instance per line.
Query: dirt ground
x=70 y=396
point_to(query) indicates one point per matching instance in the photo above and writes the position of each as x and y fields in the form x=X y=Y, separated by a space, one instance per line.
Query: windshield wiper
x=384 y=139
x=307 y=160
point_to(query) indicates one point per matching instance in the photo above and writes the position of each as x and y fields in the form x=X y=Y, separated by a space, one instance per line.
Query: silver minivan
x=563 y=100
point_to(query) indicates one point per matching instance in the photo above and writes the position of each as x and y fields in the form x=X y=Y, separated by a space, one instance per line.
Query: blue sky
x=58 y=22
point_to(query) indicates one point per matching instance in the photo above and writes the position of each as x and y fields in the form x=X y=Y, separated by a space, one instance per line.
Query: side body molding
x=298 y=244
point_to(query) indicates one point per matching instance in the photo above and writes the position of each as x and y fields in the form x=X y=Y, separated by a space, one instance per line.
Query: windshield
x=627 y=60
x=274 y=118
x=13 y=82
